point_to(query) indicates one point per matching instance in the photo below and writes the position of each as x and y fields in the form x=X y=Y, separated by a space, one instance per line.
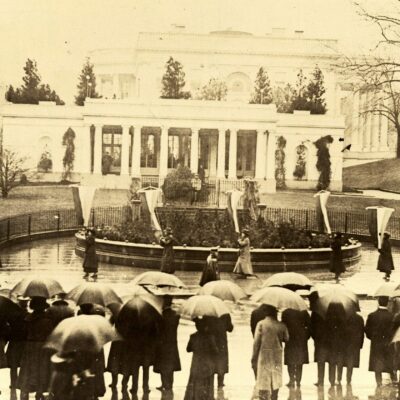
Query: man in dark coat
x=336 y=262
x=296 y=349
x=167 y=262
x=385 y=260
x=379 y=330
x=90 y=262
x=354 y=342
x=167 y=355
x=258 y=315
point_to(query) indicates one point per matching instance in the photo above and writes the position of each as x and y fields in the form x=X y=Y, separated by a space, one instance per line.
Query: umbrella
x=87 y=333
x=93 y=292
x=224 y=290
x=141 y=312
x=339 y=297
x=289 y=280
x=156 y=278
x=9 y=309
x=387 y=289
x=204 y=305
x=40 y=287
x=279 y=298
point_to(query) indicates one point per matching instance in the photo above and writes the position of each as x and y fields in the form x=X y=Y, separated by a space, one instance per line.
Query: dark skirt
x=200 y=388
x=14 y=353
x=98 y=371
x=115 y=362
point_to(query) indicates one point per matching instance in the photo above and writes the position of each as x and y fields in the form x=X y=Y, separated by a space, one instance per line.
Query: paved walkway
x=57 y=259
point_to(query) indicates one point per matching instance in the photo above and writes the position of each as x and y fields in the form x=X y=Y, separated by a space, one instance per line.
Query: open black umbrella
x=37 y=287
x=93 y=292
x=289 y=280
x=9 y=309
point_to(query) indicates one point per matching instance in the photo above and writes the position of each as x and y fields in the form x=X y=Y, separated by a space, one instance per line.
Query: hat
x=245 y=231
x=38 y=304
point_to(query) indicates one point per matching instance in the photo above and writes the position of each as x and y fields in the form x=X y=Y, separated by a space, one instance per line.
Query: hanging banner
x=152 y=196
x=378 y=218
x=322 y=213
x=233 y=202
x=86 y=196
x=77 y=204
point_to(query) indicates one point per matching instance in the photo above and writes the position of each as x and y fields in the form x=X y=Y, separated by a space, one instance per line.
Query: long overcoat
x=298 y=325
x=354 y=341
x=90 y=261
x=34 y=374
x=219 y=328
x=17 y=338
x=257 y=315
x=320 y=335
x=167 y=353
x=378 y=329
x=336 y=261
x=243 y=263
x=210 y=271
x=167 y=260
x=267 y=353
x=385 y=260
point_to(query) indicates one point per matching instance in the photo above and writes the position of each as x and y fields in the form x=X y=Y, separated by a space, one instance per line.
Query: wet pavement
x=56 y=258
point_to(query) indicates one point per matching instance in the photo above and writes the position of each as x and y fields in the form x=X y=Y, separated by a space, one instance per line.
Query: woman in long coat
x=296 y=349
x=167 y=354
x=167 y=262
x=218 y=327
x=210 y=271
x=336 y=262
x=385 y=260
x=267 y=355
x=90 y=261
x=34 y=374
x=243 y=265
x=201 y=379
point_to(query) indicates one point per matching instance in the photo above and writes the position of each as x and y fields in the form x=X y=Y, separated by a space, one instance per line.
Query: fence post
x=8 y=228
x=307 y=219
x=92 y=212
x=29 y=224
x=345 y=222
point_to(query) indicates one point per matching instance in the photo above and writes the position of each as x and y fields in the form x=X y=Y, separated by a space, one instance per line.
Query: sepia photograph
x=200 y=200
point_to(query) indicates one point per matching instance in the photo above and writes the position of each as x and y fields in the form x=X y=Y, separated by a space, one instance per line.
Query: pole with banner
x=83 y=200
x=234 y=197
x=322 y=213
x=378 y=218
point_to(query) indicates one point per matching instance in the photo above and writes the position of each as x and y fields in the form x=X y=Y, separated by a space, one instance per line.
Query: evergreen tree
x=300 y=101
x=10 y=94
x=173 y=81
x=262 y=89
x=214 y=90
x=323 y=161
x=315 y=92
x=87 y=84
x=283 y=98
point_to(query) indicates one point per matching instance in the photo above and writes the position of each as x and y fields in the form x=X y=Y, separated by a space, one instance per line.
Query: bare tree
x=11 y=170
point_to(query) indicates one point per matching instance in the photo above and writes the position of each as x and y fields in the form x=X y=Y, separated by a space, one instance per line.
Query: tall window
x=178 y=150
x=173 y=151
x=112 y=143
x=149 y=151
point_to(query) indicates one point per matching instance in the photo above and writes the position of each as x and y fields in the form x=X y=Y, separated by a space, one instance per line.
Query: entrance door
x=112 y=142
x=246 y=154
x=208 y=153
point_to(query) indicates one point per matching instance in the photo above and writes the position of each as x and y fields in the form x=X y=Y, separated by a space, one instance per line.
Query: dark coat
x=336 y=261
x=336 y=328
x=167 y=353
x=257 y=315
x=35 y=364
x=379 y=330
x=385 y=260
x=320 y=334
x=90 y=262
x=298 y=325
x=354 y=341
x=167 y=261
x=219 y=327
x=17 y=338
x=210 y=271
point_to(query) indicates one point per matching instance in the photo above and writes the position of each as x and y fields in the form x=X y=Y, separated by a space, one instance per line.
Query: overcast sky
x=58 y=35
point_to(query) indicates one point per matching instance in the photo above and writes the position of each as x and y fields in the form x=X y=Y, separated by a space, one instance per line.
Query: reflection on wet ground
x=56 y=258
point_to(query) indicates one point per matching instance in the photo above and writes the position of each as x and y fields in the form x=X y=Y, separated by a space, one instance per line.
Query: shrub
x=177 y=184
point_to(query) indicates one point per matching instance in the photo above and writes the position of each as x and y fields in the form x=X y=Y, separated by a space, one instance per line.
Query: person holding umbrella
x=378 y=330
x=257 y=315
x=204 y=348
x=385 y=260
x=243 y=265
x=336 y=261
x=59 y=309
x=210 y=271
x=267 y=355
x=34 y=374
x=90 y=261
x=168 y=242
x=167 y=354
x=296 y=349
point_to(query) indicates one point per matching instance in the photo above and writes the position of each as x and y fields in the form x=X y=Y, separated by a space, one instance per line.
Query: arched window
x=300 y=169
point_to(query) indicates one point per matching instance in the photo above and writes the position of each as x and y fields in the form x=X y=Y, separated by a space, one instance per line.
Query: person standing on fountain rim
x=336 y=262
x=90 y=261
x=168 y=241
x=243 y=265
x=385 y=260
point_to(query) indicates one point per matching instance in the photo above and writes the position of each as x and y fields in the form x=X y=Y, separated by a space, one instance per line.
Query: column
x=98 y=149
x=163 y=152
x=125 y=150
x=271 y=156
x=194 y=151
x=136 y=147
x=232 y=154
x=221 y=153
x=384 y=127
x=116 y=86
x=355 y=121
x=260 y=154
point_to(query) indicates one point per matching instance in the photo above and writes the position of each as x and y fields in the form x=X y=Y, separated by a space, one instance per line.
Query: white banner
x=383 y=215
x=233 y=202
x=152 y=196
x=86 y=195
x=322 y=197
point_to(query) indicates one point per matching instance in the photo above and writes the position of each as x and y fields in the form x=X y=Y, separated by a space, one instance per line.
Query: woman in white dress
x=243 y=265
